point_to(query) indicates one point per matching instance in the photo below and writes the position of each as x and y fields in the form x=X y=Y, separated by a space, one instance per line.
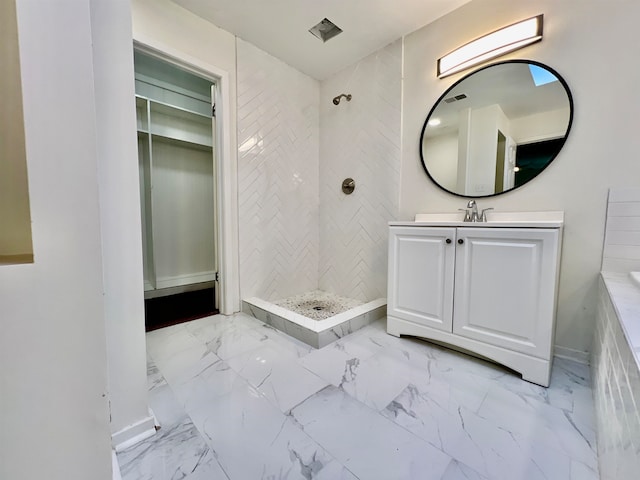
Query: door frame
x=225 y=169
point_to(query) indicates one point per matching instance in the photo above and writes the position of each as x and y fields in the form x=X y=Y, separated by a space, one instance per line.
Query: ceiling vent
x=325 y=30
x=455 y=98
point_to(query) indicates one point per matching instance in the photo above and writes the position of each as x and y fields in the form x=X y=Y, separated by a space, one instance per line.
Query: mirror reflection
x=496 y=129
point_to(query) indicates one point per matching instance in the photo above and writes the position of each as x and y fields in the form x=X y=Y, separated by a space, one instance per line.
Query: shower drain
x=318 y=305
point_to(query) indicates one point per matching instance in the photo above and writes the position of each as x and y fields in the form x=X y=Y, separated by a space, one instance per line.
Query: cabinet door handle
x=448 y=240
x=460 y=241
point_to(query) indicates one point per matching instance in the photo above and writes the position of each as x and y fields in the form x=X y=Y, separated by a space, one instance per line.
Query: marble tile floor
x=238 y=400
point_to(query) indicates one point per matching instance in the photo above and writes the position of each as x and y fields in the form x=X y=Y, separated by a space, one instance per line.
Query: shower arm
x=336 y=100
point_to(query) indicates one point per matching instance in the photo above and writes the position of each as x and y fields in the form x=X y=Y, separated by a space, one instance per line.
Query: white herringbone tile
x=278 y=164
x=298 y=231
x=359 y=139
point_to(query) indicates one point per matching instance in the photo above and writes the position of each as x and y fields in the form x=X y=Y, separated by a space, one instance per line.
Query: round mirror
x=496 y=129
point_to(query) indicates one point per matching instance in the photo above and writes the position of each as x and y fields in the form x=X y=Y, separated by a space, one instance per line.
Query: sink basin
x=439 y=217
x=551 y=219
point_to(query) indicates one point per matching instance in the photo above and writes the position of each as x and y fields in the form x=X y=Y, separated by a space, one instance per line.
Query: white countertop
x=551 y=219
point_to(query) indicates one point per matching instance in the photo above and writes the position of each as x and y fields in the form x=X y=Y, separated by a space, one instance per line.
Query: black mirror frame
x=443 y=96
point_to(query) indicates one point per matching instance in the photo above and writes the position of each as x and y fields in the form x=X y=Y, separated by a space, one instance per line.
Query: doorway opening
x=177 y=171
x=532 y=158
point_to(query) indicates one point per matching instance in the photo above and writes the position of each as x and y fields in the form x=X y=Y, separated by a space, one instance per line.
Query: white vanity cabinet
x=489 y=290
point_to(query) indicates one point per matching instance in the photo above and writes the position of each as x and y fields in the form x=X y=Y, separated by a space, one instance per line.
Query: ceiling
x=510 y=85
x=280 y=27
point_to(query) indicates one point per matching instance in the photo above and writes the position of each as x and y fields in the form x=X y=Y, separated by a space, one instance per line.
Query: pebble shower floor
x=318 y=305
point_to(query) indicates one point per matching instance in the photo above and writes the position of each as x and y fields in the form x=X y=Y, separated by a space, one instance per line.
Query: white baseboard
x=168 y=282
x=571 y=354
x=163 y=292
x=115 y=466
x=133 y=434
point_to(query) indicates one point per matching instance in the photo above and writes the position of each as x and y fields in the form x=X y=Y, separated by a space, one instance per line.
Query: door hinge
x=213 y=110
x=217 y=276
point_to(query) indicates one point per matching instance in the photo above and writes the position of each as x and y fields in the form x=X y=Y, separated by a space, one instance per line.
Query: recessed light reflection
x=250 y=143
x=434 y=122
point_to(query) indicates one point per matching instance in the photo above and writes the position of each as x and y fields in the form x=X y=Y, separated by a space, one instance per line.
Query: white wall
x=15 y=221
x=601 y=150
x=162 y=23
x=120 y=219
x=484 y=125
x=359 y=139
x=540 y=126
x=183 y=214
x=442 y=154
x=278 y=131
x=53 y=361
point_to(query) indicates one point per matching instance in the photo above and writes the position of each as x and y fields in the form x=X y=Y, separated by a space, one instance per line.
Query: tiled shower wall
x=360 y=139
x=278 y=135
x=298 y=231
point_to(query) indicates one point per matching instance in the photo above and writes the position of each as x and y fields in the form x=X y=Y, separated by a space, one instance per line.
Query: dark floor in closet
x=182 y=307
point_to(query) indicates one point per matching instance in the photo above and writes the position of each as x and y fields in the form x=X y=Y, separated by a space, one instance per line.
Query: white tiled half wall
x=615 y=354
x=359 y=139
x=616 y=389
x=278 y=166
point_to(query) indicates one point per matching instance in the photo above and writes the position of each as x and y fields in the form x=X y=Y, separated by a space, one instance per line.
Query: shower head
x=336 y=100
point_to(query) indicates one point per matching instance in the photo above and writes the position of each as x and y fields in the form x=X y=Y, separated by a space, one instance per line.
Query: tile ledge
x=625 y=297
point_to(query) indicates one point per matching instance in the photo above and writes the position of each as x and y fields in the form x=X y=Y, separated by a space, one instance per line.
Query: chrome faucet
x=483 y=217
x=474 y=211
x=473 y=215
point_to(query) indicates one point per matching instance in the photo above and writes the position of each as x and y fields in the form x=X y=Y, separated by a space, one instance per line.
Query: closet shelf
x=170 y=122
x=176 y=140
x=155 y=104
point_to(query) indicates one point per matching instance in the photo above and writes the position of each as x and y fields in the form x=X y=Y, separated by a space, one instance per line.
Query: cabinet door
x=421 y=264
x=505 y=287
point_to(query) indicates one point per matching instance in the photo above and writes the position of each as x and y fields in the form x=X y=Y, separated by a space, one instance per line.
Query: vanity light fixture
x=492 y=45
